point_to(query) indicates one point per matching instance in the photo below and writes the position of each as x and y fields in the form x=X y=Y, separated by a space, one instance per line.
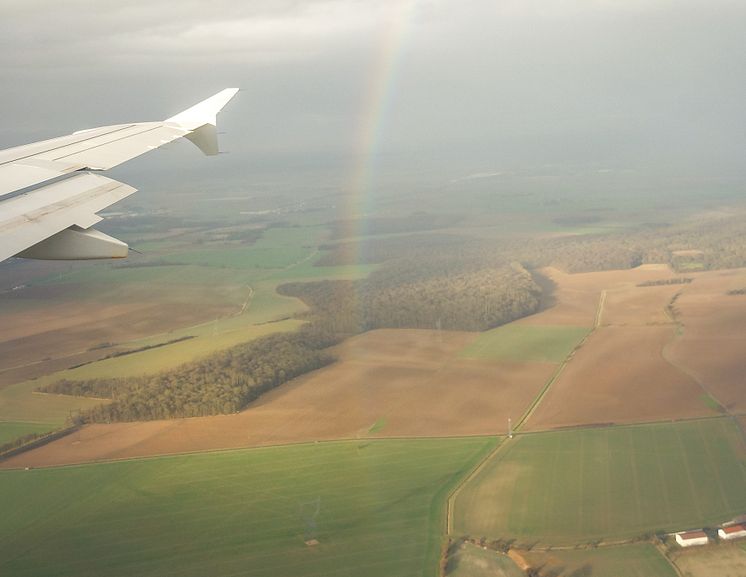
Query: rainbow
x=382 y=83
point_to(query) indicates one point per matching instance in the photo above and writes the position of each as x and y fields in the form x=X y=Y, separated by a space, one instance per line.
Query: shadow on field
x=547 y=286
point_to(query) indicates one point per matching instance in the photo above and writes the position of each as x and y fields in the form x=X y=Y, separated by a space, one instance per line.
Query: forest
x=440 y=293
x=223 y=382
x=426 y=280
x=703 y=244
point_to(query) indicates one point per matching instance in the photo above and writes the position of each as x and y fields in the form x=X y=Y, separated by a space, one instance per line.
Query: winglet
x=205 y=112
x=201 y=119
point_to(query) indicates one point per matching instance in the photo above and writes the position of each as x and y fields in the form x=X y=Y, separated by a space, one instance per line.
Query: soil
x=619 y=376
x=712 y=345
x=387 y=383
x=46 y=332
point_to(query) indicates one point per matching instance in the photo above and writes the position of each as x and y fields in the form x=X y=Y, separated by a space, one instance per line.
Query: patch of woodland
x=666 y=281
x=440 y=292
x=432 y=280
x=223 y=382
x=705 y=244
x=126 y=352
x=435 y=293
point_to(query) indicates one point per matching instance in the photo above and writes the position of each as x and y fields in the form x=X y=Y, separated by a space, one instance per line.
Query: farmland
x=104 y=310
x=375 y=508
x=600 y=386
x=724 y=560
x=473 y=561
x=607 y=483
x=84 y=313
x=386 y=383
x=9 y=430
x=642 y=560
x=364 y=418
x=19 y=403
x=518 y=342
x=572 y=299
x=712 y=341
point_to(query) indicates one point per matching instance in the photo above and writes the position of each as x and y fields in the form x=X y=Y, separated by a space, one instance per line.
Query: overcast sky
x=654 y=88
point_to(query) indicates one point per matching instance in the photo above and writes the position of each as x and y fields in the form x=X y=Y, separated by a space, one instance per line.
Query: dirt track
x=575 y=296
x=619 y=376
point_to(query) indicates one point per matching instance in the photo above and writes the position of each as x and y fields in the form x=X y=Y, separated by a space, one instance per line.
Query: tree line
x=428 y=280
x=223 y=382
x=438 y=294
x=705 y=244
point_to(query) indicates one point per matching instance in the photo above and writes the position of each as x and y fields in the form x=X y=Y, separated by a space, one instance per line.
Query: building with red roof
x=732 y=532
x=689 y=538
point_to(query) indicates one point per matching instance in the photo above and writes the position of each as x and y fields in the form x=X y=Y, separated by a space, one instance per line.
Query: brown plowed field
x=635 y=305
x=575 y=296
x=619 y=376
x=412 y=383
x=45 y=329
x=713 y=344
x=386 y=383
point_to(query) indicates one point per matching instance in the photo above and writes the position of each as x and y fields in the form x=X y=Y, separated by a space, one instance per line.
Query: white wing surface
x=50 y=192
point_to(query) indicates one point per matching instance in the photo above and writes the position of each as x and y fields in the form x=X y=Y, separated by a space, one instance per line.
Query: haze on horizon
x=643 y=93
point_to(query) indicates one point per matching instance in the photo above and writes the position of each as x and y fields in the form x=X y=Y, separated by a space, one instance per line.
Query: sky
x=650 y=91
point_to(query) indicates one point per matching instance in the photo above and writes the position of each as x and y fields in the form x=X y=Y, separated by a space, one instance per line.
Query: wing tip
x=206 y=111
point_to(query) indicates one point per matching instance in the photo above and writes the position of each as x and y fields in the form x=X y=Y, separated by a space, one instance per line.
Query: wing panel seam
x=65 y=145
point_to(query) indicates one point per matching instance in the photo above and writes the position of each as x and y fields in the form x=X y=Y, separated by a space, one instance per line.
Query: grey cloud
x=648 y=87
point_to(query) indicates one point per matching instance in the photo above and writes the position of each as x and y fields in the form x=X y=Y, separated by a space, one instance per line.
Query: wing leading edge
x=49 y=193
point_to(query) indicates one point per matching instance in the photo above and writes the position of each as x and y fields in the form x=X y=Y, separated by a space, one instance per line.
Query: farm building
x=689 y=538
x=732 y=532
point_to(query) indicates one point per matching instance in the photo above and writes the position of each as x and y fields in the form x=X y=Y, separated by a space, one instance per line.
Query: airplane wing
x=50 y=191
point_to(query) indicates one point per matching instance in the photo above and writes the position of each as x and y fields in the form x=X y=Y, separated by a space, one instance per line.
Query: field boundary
x=663 y=551
x=712 y=505
x=468 y=477
x=537 y=400
x=560 y=369
x=678 y=332
x=38 y=442
x=369 y=439
x=610 y=425
x=438 y=508
x=246 y=448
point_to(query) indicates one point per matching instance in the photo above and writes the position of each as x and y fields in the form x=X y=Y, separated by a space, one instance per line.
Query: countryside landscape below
x=502 y=384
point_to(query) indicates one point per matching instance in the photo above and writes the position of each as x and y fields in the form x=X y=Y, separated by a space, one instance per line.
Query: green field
x=473 y=561
x=641 y=560
x=10 y=430
x=281 y=255
x=277 y=248
x=375 y=507
x=19 y=403
x=582 y=485
x=516 y=342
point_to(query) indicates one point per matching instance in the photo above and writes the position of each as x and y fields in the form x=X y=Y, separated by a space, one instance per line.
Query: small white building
x=732 y=532
x=689 y=538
